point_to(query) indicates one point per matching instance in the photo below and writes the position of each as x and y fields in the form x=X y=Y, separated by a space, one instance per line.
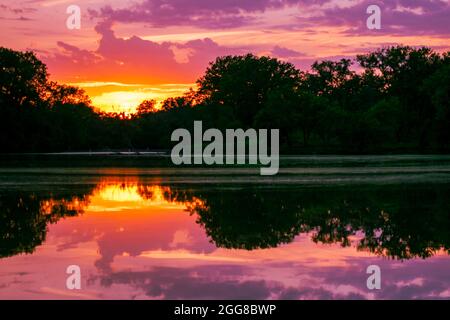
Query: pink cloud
x=133 y=59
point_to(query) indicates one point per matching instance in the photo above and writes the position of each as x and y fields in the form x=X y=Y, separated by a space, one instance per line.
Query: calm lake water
x=190 y=233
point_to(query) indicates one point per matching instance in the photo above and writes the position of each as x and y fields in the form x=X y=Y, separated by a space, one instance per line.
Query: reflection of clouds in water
x=181 y=237
x=195 y=283
x=243 y=282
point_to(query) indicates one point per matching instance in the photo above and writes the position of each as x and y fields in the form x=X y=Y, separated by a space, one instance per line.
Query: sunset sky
x=128 y=51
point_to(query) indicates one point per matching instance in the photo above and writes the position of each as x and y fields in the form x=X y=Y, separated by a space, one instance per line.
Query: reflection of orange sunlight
x=75 y=204
x=191 y=256
x=129 y=195
x=119 y=193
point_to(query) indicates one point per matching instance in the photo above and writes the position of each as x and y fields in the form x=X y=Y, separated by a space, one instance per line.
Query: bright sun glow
x=120 y=101
x=120 y=97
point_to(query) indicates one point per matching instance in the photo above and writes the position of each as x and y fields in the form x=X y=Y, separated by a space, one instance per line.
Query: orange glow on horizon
x=122 y=97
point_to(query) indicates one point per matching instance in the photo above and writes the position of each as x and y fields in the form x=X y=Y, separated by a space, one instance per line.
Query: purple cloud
x=398 y=17
x=200 y=13
x=282 y=52
x=408 y=280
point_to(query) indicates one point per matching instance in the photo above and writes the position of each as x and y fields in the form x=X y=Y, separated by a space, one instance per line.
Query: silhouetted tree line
x=392 y=100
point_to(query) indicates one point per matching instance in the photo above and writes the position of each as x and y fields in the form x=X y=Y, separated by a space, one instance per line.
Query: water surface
x=228 y=233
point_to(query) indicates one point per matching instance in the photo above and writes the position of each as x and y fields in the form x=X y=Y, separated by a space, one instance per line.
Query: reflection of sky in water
x=133 y=246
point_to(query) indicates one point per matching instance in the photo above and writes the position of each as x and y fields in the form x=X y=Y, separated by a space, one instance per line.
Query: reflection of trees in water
x=24 y=217
x=395 y=221
x=185 y=196
x=249 y=220
x=398 y=222
x=170 y=194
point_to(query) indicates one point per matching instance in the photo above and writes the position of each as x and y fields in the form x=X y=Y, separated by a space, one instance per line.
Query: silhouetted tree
x=243 y=83
x=146 y=107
